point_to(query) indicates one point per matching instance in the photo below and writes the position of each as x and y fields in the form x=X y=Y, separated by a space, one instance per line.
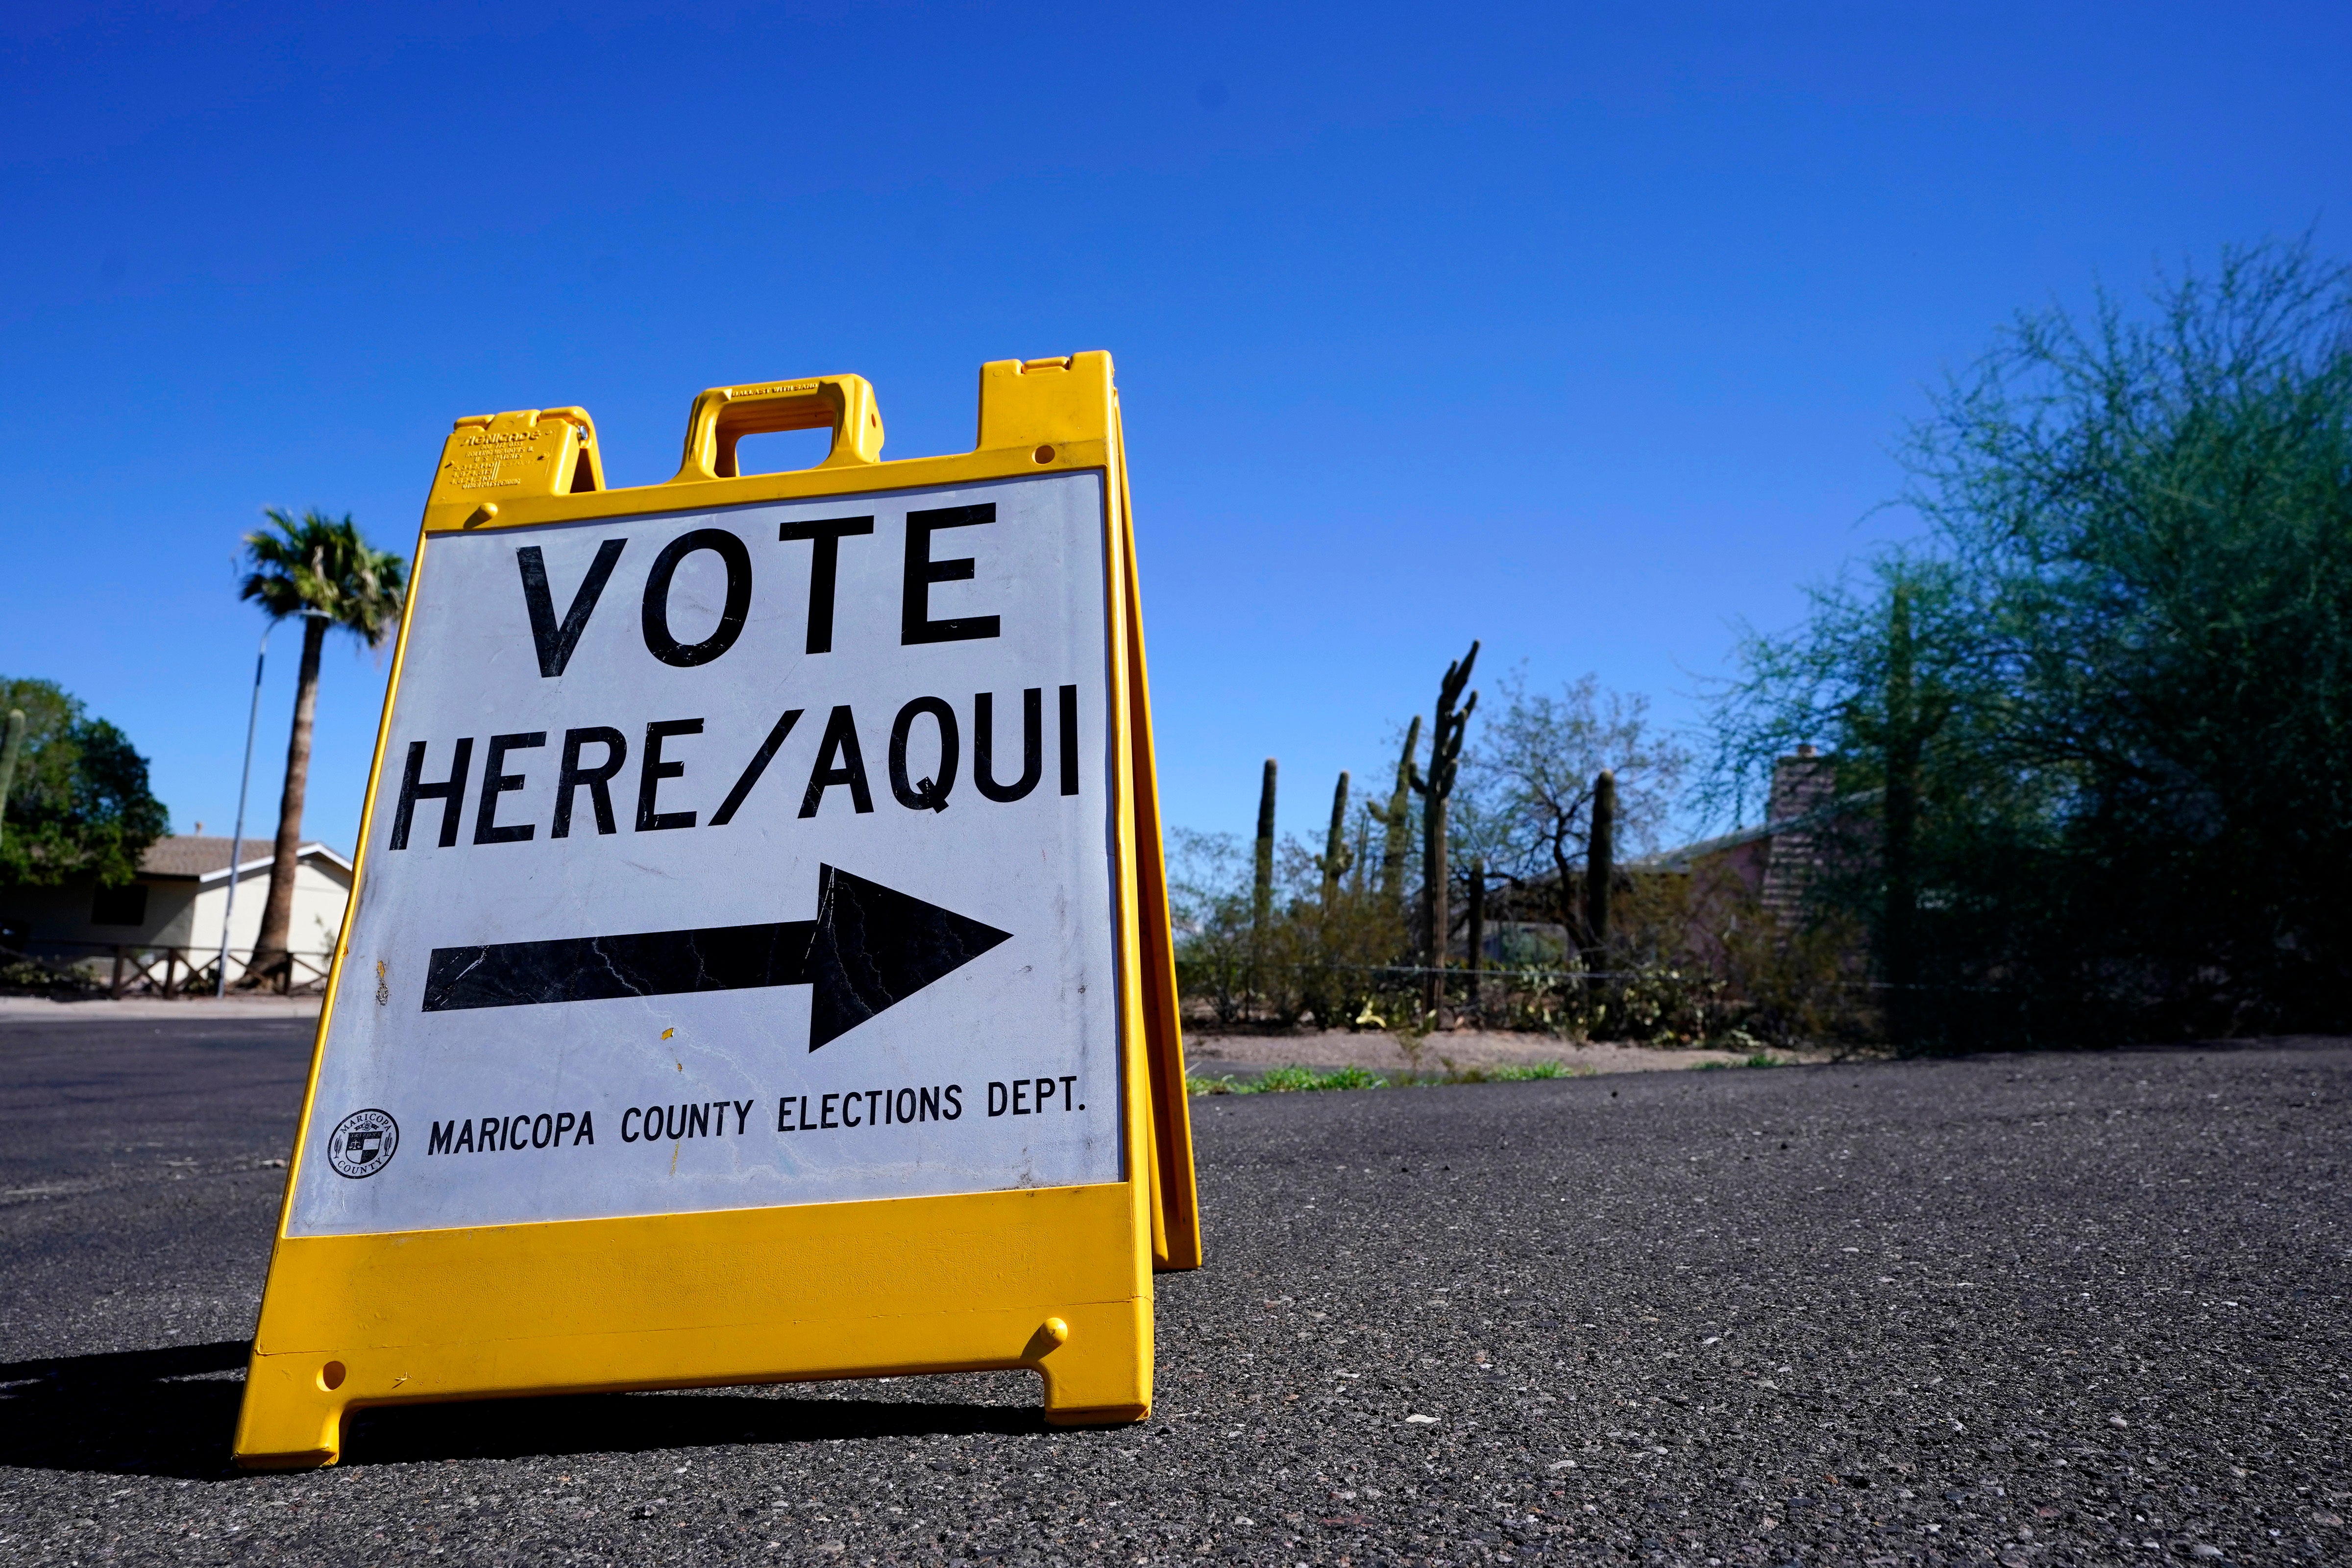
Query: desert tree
x=1530 y=785
x=78 y=805
x=1902 y=672
x=2101 y=706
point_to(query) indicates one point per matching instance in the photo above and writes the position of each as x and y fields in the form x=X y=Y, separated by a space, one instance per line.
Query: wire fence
x=1669 y=999
x=1464 y=974
x=1415 y=996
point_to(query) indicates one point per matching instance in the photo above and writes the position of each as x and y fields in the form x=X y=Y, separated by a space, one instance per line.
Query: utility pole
x=237 y=839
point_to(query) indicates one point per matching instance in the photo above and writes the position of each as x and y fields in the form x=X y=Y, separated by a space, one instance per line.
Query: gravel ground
x=2056 y=1310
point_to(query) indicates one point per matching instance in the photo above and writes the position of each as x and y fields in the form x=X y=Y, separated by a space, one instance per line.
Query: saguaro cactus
x=1262 y=881
x=1262 y=884
x=1398 y=818
x=1436 y=789
x=1601 y=862
x=1336 y=857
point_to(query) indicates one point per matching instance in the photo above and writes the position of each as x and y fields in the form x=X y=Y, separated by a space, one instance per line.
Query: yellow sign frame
x=1056 y=1280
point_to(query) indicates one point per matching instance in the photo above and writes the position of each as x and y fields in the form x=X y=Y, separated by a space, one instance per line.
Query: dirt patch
x=1211 y=1053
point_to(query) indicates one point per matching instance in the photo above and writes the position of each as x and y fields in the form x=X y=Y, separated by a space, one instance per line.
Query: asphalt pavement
x=2064 y=1309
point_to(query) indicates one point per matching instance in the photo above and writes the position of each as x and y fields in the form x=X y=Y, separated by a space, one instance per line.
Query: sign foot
x=293 y=1416
x=1096 y=1364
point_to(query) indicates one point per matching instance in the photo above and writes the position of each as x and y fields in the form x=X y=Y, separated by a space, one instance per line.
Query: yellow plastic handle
x=725 y=415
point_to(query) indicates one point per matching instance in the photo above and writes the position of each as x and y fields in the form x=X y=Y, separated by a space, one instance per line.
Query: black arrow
x=868 y=947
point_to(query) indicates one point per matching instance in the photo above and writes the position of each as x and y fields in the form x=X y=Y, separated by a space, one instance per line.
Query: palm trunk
x=269 y=955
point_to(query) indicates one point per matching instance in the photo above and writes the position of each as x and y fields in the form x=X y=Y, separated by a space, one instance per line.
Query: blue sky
x=1586 y=331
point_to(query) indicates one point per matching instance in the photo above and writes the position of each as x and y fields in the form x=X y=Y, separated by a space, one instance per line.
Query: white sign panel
x=736 y=858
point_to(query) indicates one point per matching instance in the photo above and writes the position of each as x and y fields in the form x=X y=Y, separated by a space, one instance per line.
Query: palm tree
x=321 y=570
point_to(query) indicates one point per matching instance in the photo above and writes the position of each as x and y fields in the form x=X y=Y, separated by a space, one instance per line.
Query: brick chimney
x=1801 y=785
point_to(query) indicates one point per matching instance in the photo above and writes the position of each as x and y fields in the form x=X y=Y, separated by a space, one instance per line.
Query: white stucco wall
x=186 y=913
x=319 y=895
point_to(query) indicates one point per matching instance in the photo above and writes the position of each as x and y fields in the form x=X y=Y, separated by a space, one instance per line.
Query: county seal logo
x=362 y=1143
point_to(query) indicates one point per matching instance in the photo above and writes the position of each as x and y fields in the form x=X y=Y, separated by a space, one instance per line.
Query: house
x=177 y=903
x=1777 y=860
x=1695 y=894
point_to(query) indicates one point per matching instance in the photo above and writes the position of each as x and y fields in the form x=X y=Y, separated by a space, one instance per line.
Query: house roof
x=1682 y=857
x=187 y=857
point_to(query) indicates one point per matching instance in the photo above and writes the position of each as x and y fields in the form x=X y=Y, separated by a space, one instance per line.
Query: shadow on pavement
x=168 y=1412
x=172 y=1411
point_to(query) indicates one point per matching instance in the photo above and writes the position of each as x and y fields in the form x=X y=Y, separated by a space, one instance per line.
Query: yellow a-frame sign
x=758 y=967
